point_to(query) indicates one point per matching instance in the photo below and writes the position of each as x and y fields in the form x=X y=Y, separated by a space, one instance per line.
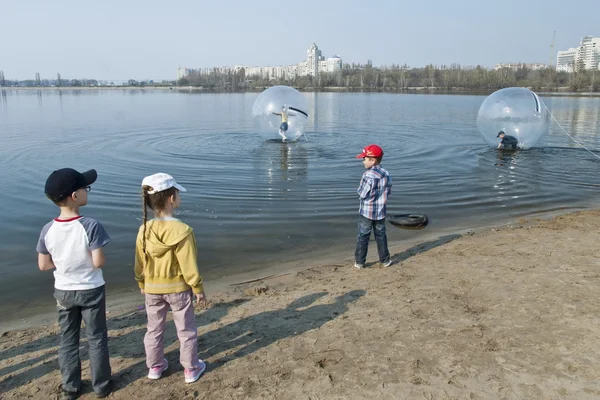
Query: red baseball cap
x=371 y=150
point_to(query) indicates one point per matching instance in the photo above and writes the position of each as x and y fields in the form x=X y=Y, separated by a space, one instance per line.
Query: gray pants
x=73 y=305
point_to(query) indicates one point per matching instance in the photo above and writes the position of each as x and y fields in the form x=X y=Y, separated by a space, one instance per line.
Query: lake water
x=255 y=203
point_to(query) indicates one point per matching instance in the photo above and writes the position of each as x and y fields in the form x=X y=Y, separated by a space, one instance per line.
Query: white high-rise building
x=313 y=56
x=588 y=53
x=565 y=60
x=584 y=57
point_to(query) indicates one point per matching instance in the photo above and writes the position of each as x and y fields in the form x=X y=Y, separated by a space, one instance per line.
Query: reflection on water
x=4 y=103
x=290 y=157
x=507 y=175
x=580 y=117
x=517 y=177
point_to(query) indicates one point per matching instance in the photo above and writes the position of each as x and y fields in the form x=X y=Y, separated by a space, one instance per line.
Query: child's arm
x=276 y=113
x=45 y=262
x=138 y=268
x=366 y=184
x=187 y=256
x=98 y=258
x=98 y=238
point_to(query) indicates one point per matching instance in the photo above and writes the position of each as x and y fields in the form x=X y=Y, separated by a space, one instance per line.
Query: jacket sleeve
x=187 y=256
x=138 y=268
x=366 y=184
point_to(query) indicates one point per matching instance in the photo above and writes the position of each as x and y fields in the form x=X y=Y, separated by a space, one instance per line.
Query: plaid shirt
x=374 y=189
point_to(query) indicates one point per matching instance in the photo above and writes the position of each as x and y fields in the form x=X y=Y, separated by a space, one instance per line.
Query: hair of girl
x=145 y=205
x=156 y=202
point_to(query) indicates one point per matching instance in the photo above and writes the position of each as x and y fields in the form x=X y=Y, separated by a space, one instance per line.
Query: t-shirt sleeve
x=97 y=235
x=41 y=244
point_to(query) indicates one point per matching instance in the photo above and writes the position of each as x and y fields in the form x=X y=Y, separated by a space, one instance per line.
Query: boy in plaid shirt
x=373 y=191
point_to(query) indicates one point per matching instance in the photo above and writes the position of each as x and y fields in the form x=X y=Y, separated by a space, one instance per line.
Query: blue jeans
x=73 y=306
x=365 y=226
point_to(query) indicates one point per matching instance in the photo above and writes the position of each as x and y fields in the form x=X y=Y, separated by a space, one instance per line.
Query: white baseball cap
x=160 y=182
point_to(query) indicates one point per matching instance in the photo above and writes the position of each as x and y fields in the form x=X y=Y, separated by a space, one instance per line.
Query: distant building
x=565 y=60
x=332 y=64
x=313 y=56
x=588 y=53
x=584 y=57
x=517 y=66
x=183 y=72
x=312 y=66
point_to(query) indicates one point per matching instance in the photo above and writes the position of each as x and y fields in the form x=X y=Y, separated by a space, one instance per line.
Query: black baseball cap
x=61 y=183
x=500 y=133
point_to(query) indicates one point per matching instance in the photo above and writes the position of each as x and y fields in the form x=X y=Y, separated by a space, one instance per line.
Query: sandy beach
x=502 y=313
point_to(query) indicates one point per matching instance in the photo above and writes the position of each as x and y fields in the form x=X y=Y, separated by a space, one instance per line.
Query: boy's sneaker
x=106 y=391
x=66 y=395
x=388 y=263
x=359 y=266
x=156 y=372
x=192 y=375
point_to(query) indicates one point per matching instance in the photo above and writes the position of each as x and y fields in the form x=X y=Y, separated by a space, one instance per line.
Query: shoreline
x=409 y=90
x=498 y=312
x=125 y=300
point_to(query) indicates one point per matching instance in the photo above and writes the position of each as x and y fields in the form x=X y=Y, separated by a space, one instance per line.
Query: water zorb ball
x=518 y=112
x=270 y=103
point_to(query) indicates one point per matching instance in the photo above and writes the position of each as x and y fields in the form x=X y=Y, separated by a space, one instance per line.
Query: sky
x=149 y=39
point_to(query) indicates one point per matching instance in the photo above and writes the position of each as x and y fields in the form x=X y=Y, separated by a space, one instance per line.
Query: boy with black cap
x=72 y=246
x=507 y=142
x=373 y=191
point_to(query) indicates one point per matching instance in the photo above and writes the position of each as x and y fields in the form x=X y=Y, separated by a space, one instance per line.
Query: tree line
x=359 y=77
x=399 y=78
x=60 y=82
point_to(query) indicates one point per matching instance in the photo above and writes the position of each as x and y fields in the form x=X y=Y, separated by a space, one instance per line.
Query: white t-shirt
x=70 y=242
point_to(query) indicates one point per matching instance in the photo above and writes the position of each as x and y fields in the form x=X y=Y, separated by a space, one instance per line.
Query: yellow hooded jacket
x=171 y=263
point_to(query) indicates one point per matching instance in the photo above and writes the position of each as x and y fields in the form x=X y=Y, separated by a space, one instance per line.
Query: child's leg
x=69 y=319
x=365 y=226
x=94 y=314
x=187 y=331
x=381 y=239
x=156 y=309
x=283 y=131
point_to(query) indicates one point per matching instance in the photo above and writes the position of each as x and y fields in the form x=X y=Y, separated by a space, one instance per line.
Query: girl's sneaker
x=156 y=372
x=192 y=375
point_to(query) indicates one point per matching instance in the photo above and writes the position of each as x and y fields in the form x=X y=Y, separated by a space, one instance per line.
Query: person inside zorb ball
x=281 y=110
x=513 y=118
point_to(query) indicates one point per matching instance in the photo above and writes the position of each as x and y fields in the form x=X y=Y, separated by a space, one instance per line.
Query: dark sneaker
x=106 y=391
x=68 y=395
